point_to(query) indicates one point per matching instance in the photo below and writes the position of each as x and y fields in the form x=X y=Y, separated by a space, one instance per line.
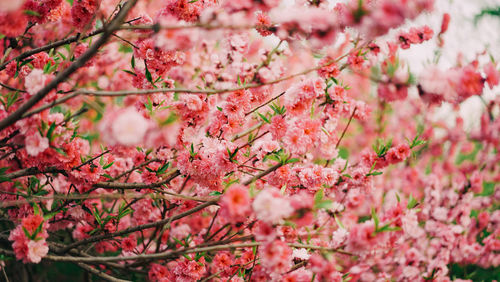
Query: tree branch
x=65 y=74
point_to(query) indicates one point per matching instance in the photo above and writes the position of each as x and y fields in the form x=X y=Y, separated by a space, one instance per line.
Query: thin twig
x=250 y=112
x=100 y=273
x=90 y=160
x=262 y=174
x=65 y=74
x=138 y=228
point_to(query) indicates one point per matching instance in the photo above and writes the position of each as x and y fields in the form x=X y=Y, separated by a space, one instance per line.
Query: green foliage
x=469 y=157
x=494 y=12
x=417 y=141
x=320 y=202
x=488 y=189
x=380 y=147
x=474 y=272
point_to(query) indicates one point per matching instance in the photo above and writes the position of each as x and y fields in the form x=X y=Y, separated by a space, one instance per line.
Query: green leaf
x=172 y=117
x=27 y=233
x=325 y=204
x=343 y=153
x=412 y=202
x=149 y=77
x=50 y=215
x=60 y=151
x=292 y=160
x=51 y=131
x=149 y=105
x=132 y=62
x=130 y=72
x=163 y=169
x=374 y=173
x=125 y=48
x=97 y=216
x=32 y=13
x=338 y=221
x=375 y=219
x=108 y=165
x=488 y=189
x=36 y=209
x=214 y=193
x=107 y=176
x=265 y=119
x=319 y=196
x=46 y=68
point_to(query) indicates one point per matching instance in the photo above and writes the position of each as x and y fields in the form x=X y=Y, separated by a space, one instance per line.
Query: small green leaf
x=51 y=131
x=108 y=165
x=60 y=151
x=149 y=77
x=130 y=72
x=32 y=13
x=412 y=202
x=264 y=118
x=375 y=219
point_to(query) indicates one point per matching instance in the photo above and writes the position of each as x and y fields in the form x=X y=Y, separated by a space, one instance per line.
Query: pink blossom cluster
x=29 y=239
x=243 y=141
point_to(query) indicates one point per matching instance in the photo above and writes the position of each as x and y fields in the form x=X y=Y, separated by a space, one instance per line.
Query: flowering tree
x=240 y=140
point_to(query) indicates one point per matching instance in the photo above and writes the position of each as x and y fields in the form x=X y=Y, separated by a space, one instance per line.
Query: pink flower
x=36 y=144
x=263 y=25
x=35 y=81
x=415 y=36
x=410 y=224
x=9 y=6
x=158 y=272
x=265 y=206
x=129 y=127
x=470 y=82
x=83 y=11
x=278 y=127
x=361 y=236
x=37 y=250
x=235 y=204
x=32 y=222
x=129 y=244
x=276 y=256
x=330 y=70
x=13 y=23
x=492 y=74
x=398 y=153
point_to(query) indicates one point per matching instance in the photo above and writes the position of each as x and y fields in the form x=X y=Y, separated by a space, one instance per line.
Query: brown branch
x=38 y=199
x=115 y=185
x=272 y=99
x=174 y=253
x=138 y=228
x=99 y=273
x=162 y=255
x=345 y=129
x=262 y=174
x=65 y=74
x=30 y=171
x=90 y=160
